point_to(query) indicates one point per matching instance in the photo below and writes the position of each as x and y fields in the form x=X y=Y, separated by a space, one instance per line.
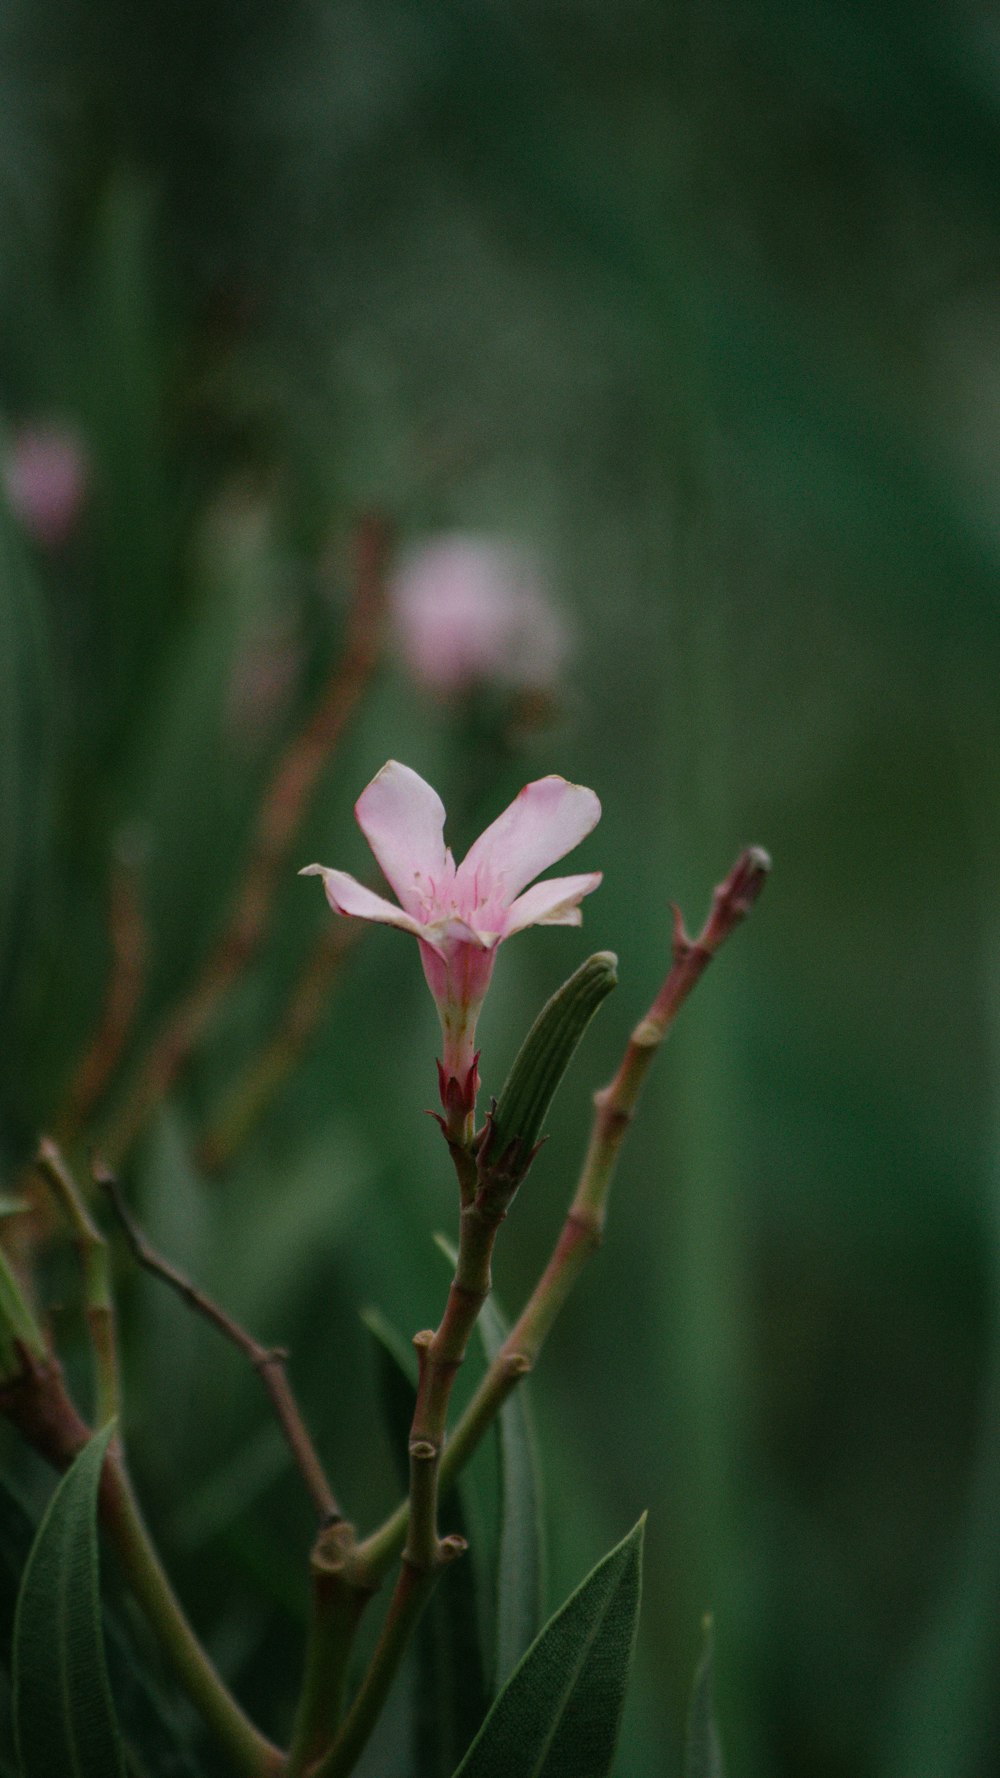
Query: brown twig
x=280 y=813
x=268 y=1361
x=248 y=1098
x=127 y=932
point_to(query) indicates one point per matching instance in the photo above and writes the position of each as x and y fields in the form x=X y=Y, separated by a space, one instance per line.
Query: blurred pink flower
x=45 y=477
x=461 y=913
x=467 y=611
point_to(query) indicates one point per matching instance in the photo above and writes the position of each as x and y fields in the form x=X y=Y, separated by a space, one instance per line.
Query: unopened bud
x=470 y=611
x=45 y=478
x=516 y=1122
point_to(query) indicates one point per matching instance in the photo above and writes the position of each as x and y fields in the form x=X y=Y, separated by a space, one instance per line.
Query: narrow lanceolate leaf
x=521 y=1552
x=521 y=1555
x=703 y=1751
x=560 y=1712
x=148 y=1715
x=64 y=1719
x=544 y=1057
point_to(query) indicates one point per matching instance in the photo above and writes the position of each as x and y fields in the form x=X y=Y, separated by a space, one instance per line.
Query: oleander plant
x=582 y=410
x=554 y=1699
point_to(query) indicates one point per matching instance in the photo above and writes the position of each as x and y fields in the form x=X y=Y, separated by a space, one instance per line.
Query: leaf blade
x=64 y=1717
x=559 y=1714
x=521 y=1554
x=703 y=1748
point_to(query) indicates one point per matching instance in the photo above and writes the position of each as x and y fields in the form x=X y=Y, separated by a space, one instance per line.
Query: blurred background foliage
x=701 y=305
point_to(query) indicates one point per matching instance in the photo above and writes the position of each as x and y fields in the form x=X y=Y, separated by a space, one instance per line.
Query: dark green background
x=701 y=302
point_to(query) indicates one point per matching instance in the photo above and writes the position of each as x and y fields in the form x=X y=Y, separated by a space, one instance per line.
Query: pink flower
x=469 y=611
x=45 y=476
x=459 y=914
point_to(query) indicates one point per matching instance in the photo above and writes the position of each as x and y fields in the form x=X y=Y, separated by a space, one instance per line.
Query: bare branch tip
x=737 y=894
x=682 y=941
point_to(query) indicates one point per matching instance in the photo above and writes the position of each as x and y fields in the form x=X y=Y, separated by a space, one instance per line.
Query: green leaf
x=149 y=1716
x=521 y=1553
x=147 y=1711
x=543 y=1059
x=560 y=1712
x=64 y=1718
x=703 y=1749
x=17 y=1534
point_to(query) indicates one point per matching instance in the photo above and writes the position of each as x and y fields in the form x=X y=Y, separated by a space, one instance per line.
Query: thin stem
x=247 y=1099
x=268 y=1361
x=582 y=1230
x=426 y=1552
x=287 y=795
x=94 y=1265
x=127 y=933
x=252 y=1754
x=412 y=1591
x=440 y=1356
x=336 y=1611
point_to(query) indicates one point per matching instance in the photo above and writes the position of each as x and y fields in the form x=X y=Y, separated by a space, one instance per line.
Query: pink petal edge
x=347 y=896
x=544 y=822
x=552 y=903
x=402 y=818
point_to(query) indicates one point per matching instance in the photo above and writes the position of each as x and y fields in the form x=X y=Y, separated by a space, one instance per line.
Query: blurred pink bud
x=264 y=676
x=45 y=477
x=468 y=611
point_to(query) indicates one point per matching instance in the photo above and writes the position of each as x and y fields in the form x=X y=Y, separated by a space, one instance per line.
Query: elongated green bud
x=541 y=1062
x=19 y=1331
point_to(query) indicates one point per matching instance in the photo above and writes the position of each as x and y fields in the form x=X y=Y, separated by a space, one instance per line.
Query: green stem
x=336 y=1612
x=441 y=1354
x=253 y=1756
x=413 y=1589
x=412 y=1528
x=94 y=1266
x=583 y=1228
x=425 y=1553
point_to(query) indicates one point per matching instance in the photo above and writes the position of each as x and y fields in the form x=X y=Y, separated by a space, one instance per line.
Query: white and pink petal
x=556 y=902
x=544 y=822
x=402 y=818
x=347 y=896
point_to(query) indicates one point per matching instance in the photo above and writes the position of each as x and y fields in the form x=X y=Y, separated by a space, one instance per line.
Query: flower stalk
x=582 y=1231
